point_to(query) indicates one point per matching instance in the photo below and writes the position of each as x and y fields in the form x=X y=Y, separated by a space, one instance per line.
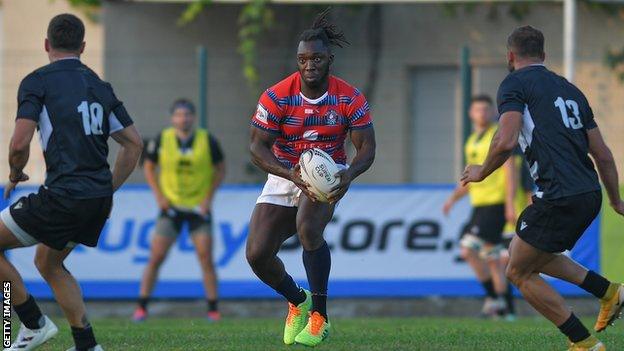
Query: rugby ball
x=318 y=169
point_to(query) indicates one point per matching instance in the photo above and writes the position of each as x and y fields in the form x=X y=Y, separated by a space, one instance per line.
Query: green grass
x=370 y=334
x=612 y=233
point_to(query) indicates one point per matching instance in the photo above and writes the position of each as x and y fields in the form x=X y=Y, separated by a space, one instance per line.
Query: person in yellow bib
x=191 y=167
x=492 y=200
x=521 y=199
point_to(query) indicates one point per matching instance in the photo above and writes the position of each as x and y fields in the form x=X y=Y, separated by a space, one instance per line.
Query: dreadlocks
x=324 y=31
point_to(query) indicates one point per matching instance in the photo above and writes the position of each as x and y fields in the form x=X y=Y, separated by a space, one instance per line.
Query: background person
x=191 y=165
x=493 y=203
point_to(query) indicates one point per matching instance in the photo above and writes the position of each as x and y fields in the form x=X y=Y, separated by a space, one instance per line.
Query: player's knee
x=47 y=268
x=465 y=253
x=157 y=260
x=310 y=236
x=256 y=255
x=515 y=275
x=205 y=260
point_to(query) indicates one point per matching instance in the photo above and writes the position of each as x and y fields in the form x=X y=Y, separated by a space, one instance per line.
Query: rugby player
x=310 y=108
x=555 y=126
x=75 y=112
x=492 y=201
x=191 y=167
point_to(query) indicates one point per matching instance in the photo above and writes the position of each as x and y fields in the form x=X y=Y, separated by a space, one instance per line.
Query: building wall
x=151 y=60
x=22 y=32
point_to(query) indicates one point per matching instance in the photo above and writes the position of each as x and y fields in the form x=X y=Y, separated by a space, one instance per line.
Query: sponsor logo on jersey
x=262 y=114
x=310 y=135
x=523 y=225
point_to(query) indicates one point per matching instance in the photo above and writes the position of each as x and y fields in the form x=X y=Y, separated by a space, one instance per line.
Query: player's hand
x=14 y=178
x=619 y=208
x=446 y=208
x=205 y=207
x=163 y=203
x=472 y=174
x=295 y=177
x=510 y=214
x=340 y=190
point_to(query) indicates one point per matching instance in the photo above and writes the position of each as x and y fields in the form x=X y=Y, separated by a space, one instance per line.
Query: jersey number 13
x=570 y=122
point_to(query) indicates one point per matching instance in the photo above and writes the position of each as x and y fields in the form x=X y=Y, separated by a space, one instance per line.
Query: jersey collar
x=313 y=101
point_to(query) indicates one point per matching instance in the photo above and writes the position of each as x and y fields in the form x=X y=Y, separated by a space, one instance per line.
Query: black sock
x=574 y=329
x=595 y=284
x=509 y=299
x=143 y=301
x=29 y=313
x=317 y=265
x=83 y=338
x=488 y=286
x=290 y=290
x=212 y=305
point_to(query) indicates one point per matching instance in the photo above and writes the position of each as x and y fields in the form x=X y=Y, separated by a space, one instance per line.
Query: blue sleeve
x=30 y=97
x=510 y=95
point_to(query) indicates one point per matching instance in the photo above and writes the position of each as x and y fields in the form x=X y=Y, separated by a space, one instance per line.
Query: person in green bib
x=183 y=166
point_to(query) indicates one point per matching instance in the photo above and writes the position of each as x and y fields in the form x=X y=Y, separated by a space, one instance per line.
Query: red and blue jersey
x=301 y=123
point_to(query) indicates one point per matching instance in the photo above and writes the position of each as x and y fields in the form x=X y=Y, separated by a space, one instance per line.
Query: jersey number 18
x=92 y=117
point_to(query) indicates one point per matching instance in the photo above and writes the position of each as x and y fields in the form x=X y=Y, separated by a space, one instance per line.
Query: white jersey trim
x=115 y=125
x=45 y=128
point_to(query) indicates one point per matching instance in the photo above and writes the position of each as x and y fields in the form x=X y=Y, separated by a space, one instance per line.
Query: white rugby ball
x=318 y=169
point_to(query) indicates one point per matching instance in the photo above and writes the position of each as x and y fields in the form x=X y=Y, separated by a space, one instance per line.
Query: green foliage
x=253 y=20
x=192 y=11
x=255 y=17
x=91 y=8
x=615 y=60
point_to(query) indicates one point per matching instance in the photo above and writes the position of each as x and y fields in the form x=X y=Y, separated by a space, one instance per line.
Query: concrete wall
x=150 y=60
x=23 y=27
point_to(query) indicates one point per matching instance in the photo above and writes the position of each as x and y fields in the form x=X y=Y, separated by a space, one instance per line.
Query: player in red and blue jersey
x=300 y=123
x=309 y=109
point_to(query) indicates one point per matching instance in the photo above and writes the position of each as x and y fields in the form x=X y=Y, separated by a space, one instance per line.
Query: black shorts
x=556 y=225
x=487 y=223
x=57 y=221
x=170 y=222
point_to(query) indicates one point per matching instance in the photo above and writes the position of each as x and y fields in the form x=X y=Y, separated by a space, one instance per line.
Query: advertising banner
x=385 y=241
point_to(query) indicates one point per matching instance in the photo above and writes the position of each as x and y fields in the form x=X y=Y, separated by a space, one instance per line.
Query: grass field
x=612 y=242
x=444 y=334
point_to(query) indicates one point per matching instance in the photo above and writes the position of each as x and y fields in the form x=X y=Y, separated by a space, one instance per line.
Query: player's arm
x=262 y=156
x=364 y=142
x=150 y=171
x=219 y=169
x=19 y=152
x=131 y=146
x=511 y=186
x=217 y=179
x=607 y=169
x=30 y=97
x=502 y=146
x=458 y=193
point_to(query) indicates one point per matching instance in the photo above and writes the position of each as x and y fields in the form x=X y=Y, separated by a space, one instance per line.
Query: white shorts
x=279 y=191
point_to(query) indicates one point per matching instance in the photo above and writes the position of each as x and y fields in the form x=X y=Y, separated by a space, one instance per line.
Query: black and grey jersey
x=556 y=118
x=76 y=112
